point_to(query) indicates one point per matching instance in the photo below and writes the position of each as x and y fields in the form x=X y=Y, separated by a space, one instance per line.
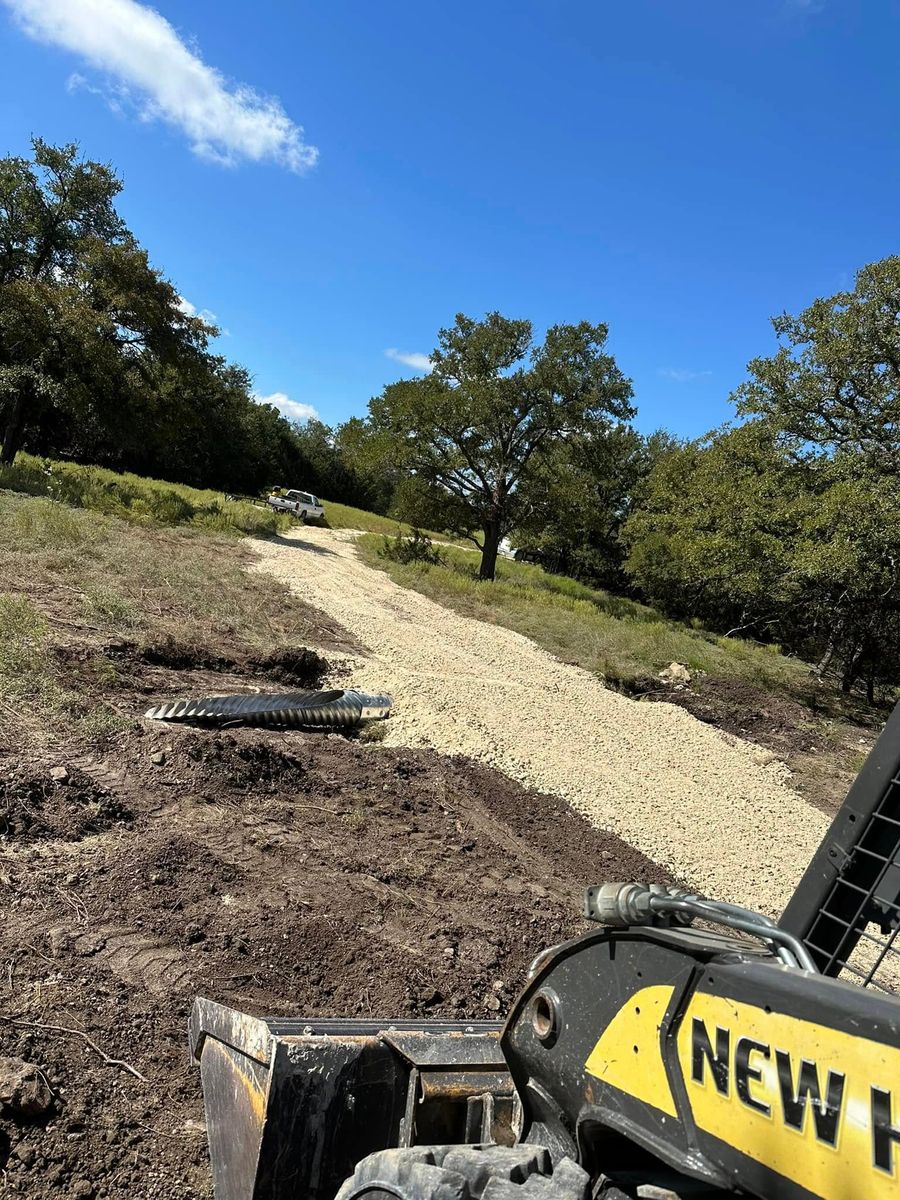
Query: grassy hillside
x=137 y=500
x=71 y=577
x=616 y=638
x=344 y=516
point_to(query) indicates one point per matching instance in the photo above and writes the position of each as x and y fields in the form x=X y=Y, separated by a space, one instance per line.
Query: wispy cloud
x=681 y=374
x=419 y=362
x=294 y=410
x=148 y=69
x=191 y=310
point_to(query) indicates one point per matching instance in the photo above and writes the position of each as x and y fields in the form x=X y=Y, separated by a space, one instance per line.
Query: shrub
x=417 y=548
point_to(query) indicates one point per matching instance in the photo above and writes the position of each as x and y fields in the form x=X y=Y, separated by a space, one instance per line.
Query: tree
x=744 y=532
x=579 y=496
x=83 y=316
x=472 y=428
x=711 y=537
x=836 y=384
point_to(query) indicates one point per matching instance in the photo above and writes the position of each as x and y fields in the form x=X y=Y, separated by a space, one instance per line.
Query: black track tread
x=467 y=1173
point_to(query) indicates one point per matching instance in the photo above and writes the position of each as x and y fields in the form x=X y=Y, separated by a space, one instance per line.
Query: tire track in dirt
x=137 y=958
x=713 y=809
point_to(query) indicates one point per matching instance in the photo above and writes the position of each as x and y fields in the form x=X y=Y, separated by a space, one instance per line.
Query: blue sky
x=681 y=170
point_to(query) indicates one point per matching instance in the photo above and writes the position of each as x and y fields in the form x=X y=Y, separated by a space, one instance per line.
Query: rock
x=23 y=1089
x=60 y=941
x=449 y=952
x=159 y=758
x=59 y=774
x=24 y=1153
x=676 y=673
x=762 y=757
x=492 y=1003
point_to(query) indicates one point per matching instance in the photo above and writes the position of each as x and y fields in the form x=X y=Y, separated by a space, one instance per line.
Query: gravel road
x=718 y=812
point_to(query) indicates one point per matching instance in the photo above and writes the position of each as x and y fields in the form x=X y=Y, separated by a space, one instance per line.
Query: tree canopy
x=99 y=360
x=835 y=385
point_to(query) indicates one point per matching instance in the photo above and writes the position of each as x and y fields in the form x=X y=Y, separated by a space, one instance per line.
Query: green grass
x=622 y=641
x=344 y=516
x=137 y=500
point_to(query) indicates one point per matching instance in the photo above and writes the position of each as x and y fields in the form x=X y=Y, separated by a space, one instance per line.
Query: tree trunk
x=824 y=662
x=489 y=551
x=14 y=431
x=851 y=670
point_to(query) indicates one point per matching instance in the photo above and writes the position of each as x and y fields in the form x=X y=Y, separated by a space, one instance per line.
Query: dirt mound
x=68 y=806
x=296 y=665
x=297 y=873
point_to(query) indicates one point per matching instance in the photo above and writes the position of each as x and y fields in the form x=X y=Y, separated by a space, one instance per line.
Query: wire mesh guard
x=856 y=932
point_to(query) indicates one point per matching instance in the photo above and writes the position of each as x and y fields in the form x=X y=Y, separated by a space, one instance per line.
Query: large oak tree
x=471 y=430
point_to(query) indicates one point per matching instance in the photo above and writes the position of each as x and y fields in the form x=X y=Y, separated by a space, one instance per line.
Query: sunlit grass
x=624 y=642
x=135 y=499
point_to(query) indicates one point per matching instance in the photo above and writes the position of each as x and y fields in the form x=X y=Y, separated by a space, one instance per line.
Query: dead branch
x=110 y=1062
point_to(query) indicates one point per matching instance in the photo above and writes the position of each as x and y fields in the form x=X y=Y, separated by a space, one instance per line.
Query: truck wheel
x=303 y=515
x=466 y=1173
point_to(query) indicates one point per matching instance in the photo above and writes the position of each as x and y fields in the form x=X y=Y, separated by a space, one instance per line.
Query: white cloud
x=191 y=310
x=148 y=68
x=419 y=362
x=681 y=374
x=294 y=410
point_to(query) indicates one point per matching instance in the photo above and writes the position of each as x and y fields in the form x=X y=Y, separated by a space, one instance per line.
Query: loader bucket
x=292 y=1104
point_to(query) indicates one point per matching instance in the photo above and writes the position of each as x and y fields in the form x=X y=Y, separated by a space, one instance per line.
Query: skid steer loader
x=649 y=1058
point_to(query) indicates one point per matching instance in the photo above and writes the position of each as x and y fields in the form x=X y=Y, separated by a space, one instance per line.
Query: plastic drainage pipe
x=291 y=709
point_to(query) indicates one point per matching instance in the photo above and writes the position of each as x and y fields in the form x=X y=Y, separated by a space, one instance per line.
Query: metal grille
x=847 y=906
x=854 y=934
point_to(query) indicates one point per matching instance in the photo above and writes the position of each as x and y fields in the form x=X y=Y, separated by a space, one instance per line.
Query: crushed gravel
x=715 y=810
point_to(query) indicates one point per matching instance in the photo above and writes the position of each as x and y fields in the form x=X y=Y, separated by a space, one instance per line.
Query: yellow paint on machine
x=628 y=1055
x=844 y=1171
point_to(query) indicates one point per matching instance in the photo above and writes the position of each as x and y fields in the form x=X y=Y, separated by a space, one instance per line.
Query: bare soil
x=281 y=873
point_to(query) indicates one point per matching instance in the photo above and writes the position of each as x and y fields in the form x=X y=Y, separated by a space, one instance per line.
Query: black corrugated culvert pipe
x=295 y=710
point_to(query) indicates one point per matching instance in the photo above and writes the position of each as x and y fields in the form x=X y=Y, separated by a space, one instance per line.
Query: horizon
x=332 y=187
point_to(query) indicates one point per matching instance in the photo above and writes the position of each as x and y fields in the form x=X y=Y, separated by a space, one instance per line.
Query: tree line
x=783 y=525
x=100 y=362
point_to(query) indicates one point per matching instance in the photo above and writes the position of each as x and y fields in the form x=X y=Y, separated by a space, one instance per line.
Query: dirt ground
x=284 y=874
x=321 y=874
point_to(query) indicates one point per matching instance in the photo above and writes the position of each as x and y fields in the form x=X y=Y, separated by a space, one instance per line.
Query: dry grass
x=74 y=578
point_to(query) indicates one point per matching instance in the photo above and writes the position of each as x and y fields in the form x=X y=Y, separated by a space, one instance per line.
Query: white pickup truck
x=301 y=504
